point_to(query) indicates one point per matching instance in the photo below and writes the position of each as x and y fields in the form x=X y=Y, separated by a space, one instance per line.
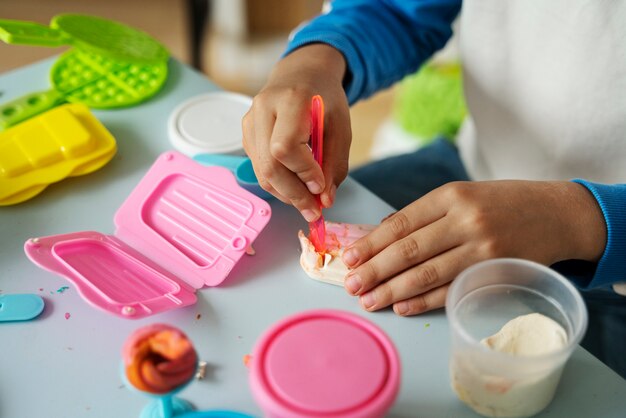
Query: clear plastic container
x=480 y=301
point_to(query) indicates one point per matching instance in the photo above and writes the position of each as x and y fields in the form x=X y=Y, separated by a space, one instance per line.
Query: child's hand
x=277 y=126
x=411 y=258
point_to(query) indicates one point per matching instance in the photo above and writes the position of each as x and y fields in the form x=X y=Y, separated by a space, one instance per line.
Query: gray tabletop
x=66 y=362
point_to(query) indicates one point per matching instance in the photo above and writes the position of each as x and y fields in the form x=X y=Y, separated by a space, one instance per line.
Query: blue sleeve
x=612 y=266
x=381 y=40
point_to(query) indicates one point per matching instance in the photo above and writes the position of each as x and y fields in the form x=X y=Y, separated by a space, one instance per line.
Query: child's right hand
x=277 y=126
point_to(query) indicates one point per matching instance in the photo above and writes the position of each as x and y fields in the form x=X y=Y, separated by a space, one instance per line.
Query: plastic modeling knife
x=317 y=228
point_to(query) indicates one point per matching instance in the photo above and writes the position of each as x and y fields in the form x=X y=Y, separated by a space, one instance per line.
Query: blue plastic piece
x=20 y=307
x=169 y=406
x=241 y=168
x=214 y=414
x=166 y=407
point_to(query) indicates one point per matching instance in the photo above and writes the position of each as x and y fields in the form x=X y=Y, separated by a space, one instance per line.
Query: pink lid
x=325 y=363
x=183 y=227
x=194 y=219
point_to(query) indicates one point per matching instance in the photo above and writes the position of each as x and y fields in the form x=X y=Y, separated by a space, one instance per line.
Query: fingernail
x=326 y=201
x=314 y=187
x=350 y=257
x=309 y=215
x=368 y=300
x=387 y=217
x=353 y=283
x=401 y=308
x=329 y=198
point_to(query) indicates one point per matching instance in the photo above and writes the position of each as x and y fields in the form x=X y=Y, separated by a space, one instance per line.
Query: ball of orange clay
x=159 y=358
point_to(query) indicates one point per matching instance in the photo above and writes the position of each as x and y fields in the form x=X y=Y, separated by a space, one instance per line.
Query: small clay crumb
x=201 y=373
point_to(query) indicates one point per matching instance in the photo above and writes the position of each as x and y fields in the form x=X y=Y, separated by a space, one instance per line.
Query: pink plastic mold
x=325 y=363
x=184 y=226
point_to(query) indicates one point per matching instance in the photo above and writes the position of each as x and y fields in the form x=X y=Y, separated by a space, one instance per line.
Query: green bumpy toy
x=430 y=104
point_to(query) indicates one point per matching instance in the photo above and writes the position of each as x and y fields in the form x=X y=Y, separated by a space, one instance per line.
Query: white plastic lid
x=209 y=123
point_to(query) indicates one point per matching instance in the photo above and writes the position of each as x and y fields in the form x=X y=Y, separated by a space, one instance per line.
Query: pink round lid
x=325 y=363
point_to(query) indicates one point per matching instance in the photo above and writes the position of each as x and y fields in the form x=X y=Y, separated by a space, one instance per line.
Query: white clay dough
x=528 y=335
x=329 y=267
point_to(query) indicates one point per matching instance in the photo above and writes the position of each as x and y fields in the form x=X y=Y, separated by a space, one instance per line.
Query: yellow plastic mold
x=65 y=141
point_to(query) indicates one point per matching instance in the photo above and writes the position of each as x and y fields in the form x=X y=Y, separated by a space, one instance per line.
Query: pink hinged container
x=184 y=226
x=325 y=363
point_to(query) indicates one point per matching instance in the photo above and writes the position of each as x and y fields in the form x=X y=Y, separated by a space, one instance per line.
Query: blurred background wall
x=234 y=42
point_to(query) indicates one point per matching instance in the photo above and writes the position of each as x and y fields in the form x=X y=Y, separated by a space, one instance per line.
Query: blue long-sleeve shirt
x=384 y=40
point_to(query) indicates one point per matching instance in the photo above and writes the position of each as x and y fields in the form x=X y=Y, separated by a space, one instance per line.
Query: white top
x=546 y=103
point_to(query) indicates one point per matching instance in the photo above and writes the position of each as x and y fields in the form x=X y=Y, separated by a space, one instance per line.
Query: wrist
x=586 y=227
x=317 y=60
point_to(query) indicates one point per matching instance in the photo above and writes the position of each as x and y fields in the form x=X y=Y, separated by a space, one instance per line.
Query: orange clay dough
x=159 y=358
x=328 y=267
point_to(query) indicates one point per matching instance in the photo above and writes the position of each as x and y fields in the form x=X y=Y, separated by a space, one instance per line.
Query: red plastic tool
x=317 y=228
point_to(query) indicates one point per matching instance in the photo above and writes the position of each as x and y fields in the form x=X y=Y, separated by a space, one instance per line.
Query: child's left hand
x=410 y=260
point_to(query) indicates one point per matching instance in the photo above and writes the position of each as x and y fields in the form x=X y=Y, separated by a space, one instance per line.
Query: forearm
x=381 y=41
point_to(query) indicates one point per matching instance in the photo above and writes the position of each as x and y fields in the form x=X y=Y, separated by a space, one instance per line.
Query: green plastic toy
x=88 y=33
x=111 y=65
x=91 y=79
x=430 y=103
